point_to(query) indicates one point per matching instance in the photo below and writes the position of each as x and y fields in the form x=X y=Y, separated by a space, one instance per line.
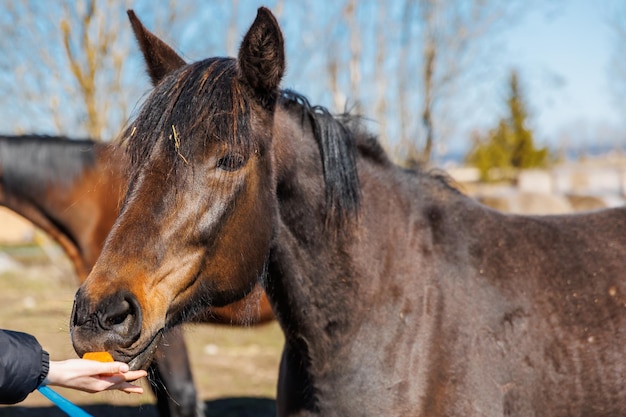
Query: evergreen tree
x=509 y=146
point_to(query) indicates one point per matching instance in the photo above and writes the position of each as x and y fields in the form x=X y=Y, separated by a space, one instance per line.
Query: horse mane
x=342 y=141
x=336 y=137
x=31 y=162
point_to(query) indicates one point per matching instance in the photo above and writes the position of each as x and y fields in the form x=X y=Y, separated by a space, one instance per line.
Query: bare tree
x=451 y=41
x=68 y=65
x=402 y=61
x=354 y=65
x=231 y=40
x=89 y=35
x=76 y=62
x=617 y=22
x=380 y=99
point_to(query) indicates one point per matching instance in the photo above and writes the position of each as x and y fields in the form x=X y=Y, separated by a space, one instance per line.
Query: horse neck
x=306 y=259
x=334 y=279
x=299 y=174
x=59 y=204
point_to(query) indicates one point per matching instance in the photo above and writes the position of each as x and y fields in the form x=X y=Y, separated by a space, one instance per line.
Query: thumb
x=116 y=367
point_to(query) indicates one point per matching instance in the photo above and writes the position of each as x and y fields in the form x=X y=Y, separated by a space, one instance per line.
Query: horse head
x=196 y=225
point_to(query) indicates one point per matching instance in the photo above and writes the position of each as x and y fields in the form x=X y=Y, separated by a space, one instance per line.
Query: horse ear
x=160 y=58
x=262 y=53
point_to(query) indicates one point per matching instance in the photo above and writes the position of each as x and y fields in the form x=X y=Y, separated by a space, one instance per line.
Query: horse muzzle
x=114 y=324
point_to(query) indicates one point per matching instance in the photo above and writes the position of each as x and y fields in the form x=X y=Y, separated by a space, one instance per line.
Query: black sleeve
x=23 y=366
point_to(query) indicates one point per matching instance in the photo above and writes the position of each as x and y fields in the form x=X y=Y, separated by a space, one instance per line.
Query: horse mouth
x=143 y=358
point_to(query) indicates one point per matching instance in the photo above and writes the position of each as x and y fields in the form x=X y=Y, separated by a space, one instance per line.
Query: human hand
x=93 y=376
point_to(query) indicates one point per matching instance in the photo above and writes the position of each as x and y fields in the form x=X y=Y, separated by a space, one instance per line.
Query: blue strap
x=64 y=404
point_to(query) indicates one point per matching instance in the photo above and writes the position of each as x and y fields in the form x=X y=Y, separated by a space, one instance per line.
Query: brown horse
x=72 y=190
x=69 y=188
x=398 y=295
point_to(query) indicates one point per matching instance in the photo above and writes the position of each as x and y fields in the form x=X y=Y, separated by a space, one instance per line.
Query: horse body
x=397 y=295
x=472 y=312
x=64 y=188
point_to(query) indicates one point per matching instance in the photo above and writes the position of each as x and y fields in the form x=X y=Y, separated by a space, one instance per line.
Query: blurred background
x=429 y=75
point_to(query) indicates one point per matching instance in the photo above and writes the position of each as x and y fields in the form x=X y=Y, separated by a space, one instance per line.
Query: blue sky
x=564 y=57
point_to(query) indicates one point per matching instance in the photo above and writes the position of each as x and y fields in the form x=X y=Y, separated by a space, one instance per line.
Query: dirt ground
x=235 y=369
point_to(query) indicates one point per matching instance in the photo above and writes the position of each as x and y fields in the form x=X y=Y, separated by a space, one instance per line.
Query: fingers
x=119 y=368
x=130 y=388
x=107 y=367
x=117 y=382
x=116 y=376
x=93 y=376
x=133 y=375
x=120 y=381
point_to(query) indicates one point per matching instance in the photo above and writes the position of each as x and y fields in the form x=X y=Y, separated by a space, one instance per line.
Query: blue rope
x=64 y=404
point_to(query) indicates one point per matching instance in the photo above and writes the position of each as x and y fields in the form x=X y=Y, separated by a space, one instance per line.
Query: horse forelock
x=32 y=162
x=205 y=103
x=199 y=104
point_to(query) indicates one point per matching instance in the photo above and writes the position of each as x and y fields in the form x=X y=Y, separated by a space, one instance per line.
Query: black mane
x=31 y=162
x=340 y=138
x=337 y=141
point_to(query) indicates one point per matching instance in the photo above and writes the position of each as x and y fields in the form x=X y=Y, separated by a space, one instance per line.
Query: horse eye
x=231 y=162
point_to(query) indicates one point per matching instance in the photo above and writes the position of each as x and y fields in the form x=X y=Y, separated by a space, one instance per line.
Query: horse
x=397 y=294
x=72 y=190
x=69 y=188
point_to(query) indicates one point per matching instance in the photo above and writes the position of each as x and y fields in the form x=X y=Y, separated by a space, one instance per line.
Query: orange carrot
x=98 y=356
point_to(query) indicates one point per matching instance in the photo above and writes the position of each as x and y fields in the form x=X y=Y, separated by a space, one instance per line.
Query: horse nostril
x=116 y=314
x=80 y=310
x=120 y=313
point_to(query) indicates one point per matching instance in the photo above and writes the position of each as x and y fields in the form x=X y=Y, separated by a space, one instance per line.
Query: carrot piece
x=98 y=356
